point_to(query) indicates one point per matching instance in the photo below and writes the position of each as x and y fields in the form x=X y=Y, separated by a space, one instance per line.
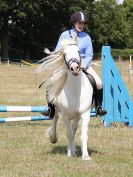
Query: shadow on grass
x=25 y=123
x=63 y=150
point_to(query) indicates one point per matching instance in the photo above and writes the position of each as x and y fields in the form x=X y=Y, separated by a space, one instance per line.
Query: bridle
x=72 y=60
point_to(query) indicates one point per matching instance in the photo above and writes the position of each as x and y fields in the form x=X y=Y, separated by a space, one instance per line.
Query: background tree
x=7 y=10
x=26 y=27
x=110 y=26
x=128 y=6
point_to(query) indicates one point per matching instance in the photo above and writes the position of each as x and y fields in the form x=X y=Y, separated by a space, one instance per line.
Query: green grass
x=25 y=151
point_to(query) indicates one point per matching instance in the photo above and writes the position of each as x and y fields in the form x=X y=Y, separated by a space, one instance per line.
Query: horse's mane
x=54 y=70
x=54 y=73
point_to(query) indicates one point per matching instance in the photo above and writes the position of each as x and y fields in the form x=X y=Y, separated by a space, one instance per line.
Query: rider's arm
x=58 y=46
x=64 y=35
x=88 y=53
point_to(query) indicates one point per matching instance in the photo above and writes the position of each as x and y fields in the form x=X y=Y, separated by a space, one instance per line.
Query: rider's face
x=79 y=26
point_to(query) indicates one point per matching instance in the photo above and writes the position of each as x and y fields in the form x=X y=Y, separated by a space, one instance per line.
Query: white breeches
x=98 y=81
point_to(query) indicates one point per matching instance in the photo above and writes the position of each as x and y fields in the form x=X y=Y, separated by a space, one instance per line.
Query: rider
x=77 y=21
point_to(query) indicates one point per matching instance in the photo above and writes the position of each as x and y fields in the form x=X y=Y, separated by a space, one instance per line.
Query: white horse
x=71 y=92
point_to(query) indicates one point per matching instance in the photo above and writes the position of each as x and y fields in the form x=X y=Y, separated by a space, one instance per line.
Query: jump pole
x=23 y=109
x=28 y=118
x=28 y=63
x=44 y=109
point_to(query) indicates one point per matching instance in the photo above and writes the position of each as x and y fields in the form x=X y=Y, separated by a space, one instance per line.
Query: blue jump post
x=116 y=100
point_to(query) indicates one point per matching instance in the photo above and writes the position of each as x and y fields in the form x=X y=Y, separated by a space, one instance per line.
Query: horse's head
x=72 y=57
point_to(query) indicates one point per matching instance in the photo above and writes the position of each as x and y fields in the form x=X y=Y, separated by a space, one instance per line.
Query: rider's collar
x=76 y=32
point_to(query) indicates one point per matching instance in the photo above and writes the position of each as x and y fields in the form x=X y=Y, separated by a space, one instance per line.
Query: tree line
x=26 y=27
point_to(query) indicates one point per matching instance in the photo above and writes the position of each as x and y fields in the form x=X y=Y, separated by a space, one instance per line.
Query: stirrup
x=100 y=111
x=50 y=112
x=45 y=113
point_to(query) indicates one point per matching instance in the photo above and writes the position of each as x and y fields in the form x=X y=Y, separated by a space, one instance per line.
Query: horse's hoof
x=53 y=139
x=71 y=155
x=86 y=158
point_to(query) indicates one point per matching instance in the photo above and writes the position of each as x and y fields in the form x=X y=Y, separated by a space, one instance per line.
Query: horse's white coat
x=73 y=102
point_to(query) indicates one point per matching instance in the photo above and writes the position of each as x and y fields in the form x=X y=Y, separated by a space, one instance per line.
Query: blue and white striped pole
x=23 y=109
x=29 y=109
x=44 y=109
x=29 y=118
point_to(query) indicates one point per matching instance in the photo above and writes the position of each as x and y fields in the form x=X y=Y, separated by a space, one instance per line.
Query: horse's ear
x=64 y=42
x=75 y=38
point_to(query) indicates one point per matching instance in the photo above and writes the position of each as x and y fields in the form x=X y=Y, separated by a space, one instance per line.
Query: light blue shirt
x=84 y=44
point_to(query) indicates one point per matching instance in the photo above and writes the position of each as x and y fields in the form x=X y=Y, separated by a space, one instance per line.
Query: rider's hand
x=83 y=68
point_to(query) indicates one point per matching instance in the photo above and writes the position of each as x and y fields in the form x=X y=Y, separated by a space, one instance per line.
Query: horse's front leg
x=70 y=136
x=84 y=135
x=75 y=126
x=51 y=132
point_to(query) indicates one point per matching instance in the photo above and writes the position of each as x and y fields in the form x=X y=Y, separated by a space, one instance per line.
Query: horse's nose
x=75 y=68
x=71 y=68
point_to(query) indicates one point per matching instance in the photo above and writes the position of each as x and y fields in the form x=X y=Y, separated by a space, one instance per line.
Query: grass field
x=25 y=151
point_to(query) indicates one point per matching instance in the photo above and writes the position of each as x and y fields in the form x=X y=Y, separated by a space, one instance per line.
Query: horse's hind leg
x=51 y=132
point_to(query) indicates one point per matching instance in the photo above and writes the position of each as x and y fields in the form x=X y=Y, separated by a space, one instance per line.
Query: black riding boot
x=51 y=107
x=50 y=112
x=99 y=110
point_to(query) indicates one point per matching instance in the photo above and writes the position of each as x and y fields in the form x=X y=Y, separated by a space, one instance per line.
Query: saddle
x=94 y=86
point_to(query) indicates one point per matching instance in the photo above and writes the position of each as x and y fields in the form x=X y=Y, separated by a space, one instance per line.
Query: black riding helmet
x=77 y=17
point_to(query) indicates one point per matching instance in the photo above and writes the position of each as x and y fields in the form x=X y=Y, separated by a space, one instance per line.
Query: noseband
x=72 y=60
